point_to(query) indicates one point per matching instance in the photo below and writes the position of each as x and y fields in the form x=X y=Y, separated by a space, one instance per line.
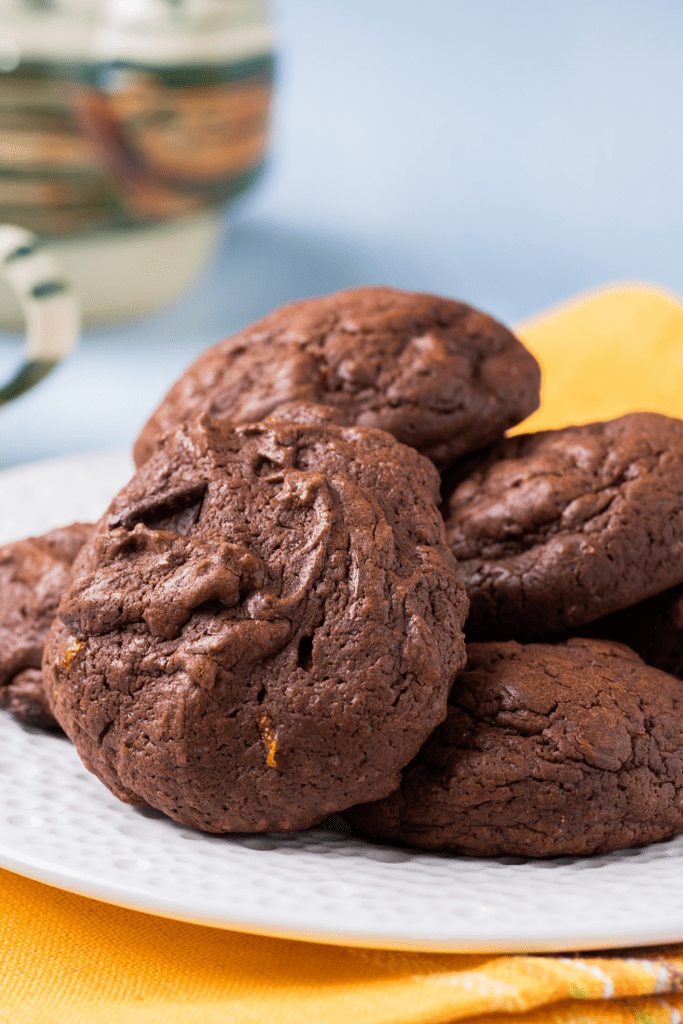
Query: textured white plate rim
x=629 y=899
x=546 y=940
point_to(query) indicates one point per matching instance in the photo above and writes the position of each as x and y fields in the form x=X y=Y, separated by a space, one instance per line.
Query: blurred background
x=509 y=155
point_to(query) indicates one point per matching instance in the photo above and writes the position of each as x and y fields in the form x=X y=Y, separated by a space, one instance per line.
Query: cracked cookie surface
x=561 y=527
x=34 y=573
x=439 y=375
x=265 y=627
x=548 y=749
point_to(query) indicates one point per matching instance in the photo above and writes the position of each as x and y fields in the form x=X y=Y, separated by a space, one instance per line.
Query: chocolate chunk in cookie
x=558 y=528
x=265 y=627
x=437 y=374
x=34 y=573
x=548 y=749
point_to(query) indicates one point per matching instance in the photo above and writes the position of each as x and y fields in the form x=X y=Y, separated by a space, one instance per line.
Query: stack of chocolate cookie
x=559 y=740
x=267 y=625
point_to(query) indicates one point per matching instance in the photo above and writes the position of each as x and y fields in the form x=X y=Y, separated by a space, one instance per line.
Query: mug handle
x=47 y=299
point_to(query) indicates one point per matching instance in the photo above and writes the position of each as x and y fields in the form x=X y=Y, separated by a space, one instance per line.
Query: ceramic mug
x=117 y=114
x=48 y=303
x=127 y=129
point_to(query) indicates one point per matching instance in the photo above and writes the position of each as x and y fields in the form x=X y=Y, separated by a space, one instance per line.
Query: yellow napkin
x=606 y=353
x=70 y=960
x=65 y=959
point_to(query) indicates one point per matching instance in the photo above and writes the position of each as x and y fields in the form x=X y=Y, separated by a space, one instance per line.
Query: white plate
x=58 y=824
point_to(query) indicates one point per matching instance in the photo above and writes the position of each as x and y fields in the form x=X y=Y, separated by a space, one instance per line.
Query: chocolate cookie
x=437 y=374
x=572 y=748
x=558 y=528
x=653 y=628
x=265 y=627
x=34 y=573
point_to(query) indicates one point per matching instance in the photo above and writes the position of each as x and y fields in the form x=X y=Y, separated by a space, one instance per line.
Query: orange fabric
x=65 y=959
x=607 y=353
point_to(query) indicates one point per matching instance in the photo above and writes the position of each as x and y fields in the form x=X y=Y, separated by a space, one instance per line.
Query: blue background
x=505 y=153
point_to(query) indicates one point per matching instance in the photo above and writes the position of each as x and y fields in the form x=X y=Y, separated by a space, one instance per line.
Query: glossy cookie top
x=548 y=750
x=558 y=528
x=439 y=375
x=265 y=627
